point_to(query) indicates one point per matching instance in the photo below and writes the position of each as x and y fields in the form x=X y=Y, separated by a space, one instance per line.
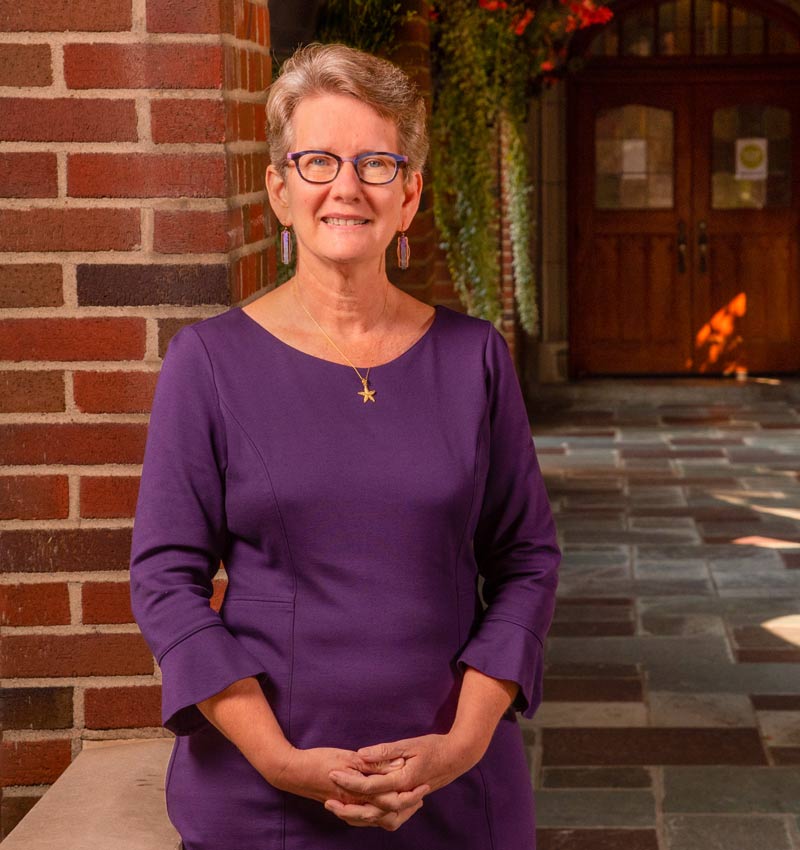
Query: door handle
x=681 y=247
x=702 y=246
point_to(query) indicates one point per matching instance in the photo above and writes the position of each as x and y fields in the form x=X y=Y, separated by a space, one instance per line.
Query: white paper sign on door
x=751 y=159
x=634 y=159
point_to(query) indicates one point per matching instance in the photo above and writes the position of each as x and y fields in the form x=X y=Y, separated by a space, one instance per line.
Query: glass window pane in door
x=751 y=157
x=638 y=32
x=634 y=162
x=673 y=28
x=606 y=43
x=747 y=32
x=780 y=40
x=711 y=28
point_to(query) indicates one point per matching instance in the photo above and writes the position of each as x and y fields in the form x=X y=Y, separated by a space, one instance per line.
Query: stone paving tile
x=701 y=439
x=591 y=610
x=598 y=579
x=596 y=777
x=573 y=583
x=753 y=611
x=584 y=628
x=607 y=688
x=667 y=708
x=651 y=746
x=632 y=536
x=690 y=569
x=686 y=625
x=575 y=555
x=742 y=678
x=775 y=702
x=785 y=755
x=745 y=555
x=718 y=832
x=731 y=790
x=597 y=839
x=780 y=729
x=591 y=714
x=594 y=807
x=569 y=520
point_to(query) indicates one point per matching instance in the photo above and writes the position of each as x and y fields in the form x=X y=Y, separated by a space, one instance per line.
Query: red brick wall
x=131 y=203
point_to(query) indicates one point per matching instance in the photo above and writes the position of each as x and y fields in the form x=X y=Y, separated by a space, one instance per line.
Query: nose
x=347 y=183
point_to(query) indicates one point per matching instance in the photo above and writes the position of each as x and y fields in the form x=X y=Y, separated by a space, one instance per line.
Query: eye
x=376 y=163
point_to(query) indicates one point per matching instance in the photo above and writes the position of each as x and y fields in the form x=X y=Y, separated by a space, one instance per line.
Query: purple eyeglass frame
x=400 y=159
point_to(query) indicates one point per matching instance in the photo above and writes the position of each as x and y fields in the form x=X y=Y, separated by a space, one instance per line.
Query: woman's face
x=346 y=221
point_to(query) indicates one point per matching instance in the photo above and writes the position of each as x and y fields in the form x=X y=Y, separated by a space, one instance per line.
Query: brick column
x=131 y=203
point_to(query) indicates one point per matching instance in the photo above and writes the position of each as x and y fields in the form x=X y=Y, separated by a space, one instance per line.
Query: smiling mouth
x=343 y=222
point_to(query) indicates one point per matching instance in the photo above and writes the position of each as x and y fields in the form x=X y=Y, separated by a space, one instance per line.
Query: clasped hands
x=381 y=785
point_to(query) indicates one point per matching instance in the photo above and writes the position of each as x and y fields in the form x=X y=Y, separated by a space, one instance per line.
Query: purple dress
x=353 y=533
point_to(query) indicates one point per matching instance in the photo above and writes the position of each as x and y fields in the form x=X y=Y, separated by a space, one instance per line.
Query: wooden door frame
x=665 y=70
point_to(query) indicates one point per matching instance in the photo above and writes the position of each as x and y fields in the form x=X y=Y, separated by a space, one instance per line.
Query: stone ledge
x=110 y=797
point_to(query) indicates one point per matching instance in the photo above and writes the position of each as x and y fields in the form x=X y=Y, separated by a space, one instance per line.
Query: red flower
x=584 y=13
x=520 y=23
x=492 y=5
x=547 y=65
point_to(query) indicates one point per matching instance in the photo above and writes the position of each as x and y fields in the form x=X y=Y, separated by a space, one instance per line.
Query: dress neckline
x=401 y=356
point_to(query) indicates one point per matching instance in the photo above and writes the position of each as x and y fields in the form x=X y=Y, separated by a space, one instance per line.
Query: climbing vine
x=490 y=58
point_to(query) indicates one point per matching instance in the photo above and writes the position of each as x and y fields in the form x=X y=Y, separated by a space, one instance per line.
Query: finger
x=378 y=783
x=395 y=821
x=383 y=752
x=382 y=766
x=398 y=802
x=356 y=814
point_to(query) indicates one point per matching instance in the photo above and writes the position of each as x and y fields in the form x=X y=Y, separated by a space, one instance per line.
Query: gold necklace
x=366 y=392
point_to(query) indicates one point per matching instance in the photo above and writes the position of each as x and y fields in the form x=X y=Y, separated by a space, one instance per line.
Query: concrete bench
x=110 y=798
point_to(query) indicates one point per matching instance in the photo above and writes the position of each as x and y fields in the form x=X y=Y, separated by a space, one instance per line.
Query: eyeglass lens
x=322 y=168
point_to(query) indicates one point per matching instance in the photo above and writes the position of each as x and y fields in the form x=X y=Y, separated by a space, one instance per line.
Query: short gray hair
x=337 y=69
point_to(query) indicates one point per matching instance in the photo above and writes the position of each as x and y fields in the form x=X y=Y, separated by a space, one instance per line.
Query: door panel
x=751 y=215
x=627 y=298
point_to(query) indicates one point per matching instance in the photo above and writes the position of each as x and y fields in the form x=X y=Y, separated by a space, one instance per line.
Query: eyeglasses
x=376 y=167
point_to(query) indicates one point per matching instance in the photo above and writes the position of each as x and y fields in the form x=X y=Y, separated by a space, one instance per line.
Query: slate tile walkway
x=671 y=713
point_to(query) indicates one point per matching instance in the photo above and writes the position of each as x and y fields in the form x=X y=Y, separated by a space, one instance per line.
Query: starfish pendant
x=369 y=395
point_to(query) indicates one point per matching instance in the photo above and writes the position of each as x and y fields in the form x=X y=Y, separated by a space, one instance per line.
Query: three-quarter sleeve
x=514 y=544
x=179 y=538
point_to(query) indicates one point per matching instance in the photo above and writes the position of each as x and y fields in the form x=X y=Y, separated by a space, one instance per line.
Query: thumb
x=382 y=752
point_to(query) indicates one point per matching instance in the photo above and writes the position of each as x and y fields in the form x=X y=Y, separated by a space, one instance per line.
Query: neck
x=348 y=300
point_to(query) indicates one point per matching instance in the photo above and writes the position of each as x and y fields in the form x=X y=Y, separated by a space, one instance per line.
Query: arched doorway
x=684 y=191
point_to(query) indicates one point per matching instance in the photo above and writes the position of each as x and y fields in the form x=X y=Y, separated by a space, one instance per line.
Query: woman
x=356 y=458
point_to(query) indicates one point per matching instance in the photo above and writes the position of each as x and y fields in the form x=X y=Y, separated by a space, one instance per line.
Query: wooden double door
x=684 y=236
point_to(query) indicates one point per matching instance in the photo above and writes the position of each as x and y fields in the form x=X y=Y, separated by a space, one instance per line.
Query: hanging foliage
x=489 y=58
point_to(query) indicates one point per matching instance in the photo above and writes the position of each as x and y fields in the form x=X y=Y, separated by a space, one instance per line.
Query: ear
x=412 y=192
x=278 y=195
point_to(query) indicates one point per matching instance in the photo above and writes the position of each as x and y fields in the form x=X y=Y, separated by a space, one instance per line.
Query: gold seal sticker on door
x=751 y=159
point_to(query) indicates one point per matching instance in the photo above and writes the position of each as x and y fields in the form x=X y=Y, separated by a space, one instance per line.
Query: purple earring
x=286 y=246
x=403 y=250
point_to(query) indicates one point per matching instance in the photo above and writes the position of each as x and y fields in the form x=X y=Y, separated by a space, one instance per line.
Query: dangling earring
x=286 y=246
x=403 y=250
